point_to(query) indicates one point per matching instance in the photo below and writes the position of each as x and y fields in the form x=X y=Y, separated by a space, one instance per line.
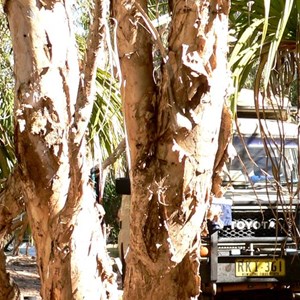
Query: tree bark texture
x=172 y=131
x=53 y=102
x=9 y=290
x=11 y=205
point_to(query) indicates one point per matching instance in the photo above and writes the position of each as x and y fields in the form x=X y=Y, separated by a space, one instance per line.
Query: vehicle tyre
x=206 y=297
x=209 y=289
x=296 y=296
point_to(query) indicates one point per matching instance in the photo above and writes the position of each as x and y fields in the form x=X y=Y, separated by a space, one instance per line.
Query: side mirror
x=123 y=186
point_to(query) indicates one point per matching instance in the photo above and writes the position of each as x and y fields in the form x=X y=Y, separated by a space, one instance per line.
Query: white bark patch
x=39 y=123
x=22 y=125
x=196 y=116
x=183 y=122
x=193 y=61
x=53 y=138
x=19 y=114
x=56 y=33
x=181 y=151
x=46 y=124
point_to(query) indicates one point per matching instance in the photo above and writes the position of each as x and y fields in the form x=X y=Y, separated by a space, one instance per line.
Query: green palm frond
x=278 y=39
x=106 y=123
x=265 y=33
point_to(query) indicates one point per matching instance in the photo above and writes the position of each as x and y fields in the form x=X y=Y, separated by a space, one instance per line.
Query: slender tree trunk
x=173 y=140
x=52 y=108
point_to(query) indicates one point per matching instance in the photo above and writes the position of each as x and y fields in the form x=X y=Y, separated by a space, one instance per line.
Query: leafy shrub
x=111 y=204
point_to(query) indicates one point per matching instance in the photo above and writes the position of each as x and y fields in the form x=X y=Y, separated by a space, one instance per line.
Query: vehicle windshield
x=252 y=165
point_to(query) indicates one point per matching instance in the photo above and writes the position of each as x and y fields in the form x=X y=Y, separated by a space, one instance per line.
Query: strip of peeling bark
x=222 y=154
x=87 y=88
x=85 y=100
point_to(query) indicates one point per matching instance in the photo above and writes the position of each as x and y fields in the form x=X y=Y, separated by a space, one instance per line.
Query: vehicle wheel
x=209 y=289
x=206 y=297
x=296 y=296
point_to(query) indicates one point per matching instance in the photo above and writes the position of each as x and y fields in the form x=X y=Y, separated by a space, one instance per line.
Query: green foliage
x=82 y=19
x=112 y=203
x=7 y=156
x=265 y=39
x=157 y=8
x=106 y=123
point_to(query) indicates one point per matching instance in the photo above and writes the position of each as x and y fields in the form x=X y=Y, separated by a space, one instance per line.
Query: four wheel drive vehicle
x=254 y=243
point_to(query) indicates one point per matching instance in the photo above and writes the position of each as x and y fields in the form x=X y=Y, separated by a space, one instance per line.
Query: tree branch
x=100 y=169
x=115 y=155
x=95 y=38
x=87 y=88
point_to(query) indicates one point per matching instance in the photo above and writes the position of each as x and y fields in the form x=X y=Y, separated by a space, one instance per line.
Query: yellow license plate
x=266 y=267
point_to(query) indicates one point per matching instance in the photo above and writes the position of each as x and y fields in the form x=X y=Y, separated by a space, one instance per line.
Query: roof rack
x=267 y=108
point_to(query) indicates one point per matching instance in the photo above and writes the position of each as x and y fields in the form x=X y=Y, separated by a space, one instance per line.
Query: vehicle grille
x=256 y=224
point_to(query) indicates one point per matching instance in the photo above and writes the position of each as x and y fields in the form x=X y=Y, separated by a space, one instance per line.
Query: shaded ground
x=23 y=270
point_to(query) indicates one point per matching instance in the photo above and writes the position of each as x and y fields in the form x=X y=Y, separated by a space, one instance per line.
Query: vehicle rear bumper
x=225 y=271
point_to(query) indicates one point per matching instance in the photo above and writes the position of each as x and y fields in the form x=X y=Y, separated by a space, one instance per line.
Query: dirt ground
x=23 y=270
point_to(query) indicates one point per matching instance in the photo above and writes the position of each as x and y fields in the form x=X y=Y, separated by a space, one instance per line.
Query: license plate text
x=260 y=267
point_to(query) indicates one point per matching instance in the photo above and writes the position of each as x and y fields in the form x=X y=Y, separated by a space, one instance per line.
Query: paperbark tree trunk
x=172 y=130
x=53 y=102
